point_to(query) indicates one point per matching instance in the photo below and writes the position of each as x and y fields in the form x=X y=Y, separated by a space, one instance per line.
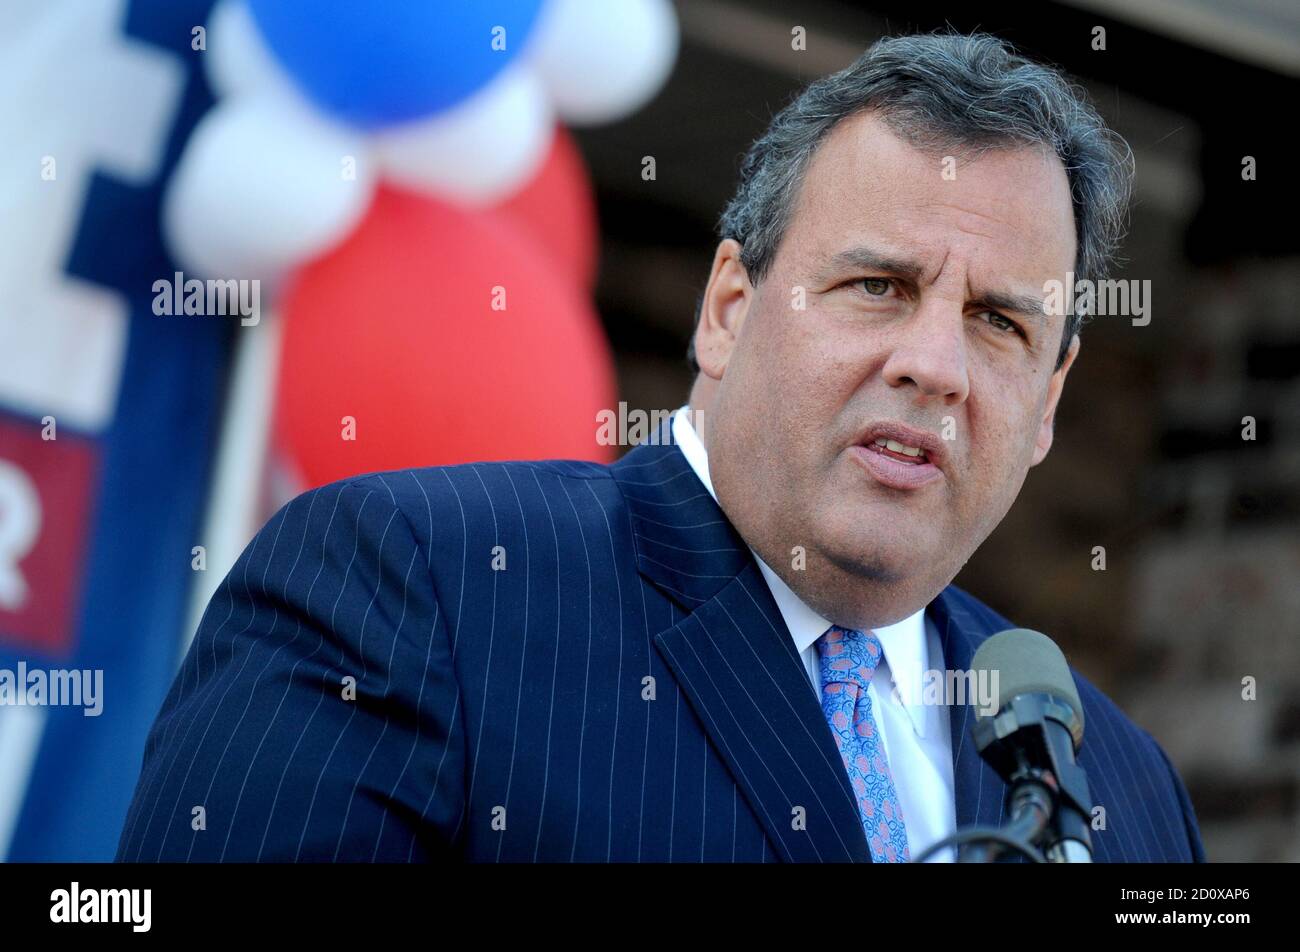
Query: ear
x=1044 y=441
x=722 y=311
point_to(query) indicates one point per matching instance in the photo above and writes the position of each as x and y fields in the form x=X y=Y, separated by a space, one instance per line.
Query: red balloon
x=556 y=208
x=395 y=329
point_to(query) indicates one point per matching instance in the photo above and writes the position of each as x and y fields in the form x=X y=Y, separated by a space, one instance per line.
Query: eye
x=875 y=287
x=1000 y=321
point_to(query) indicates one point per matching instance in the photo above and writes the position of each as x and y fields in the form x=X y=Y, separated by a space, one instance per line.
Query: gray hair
x=940 y=91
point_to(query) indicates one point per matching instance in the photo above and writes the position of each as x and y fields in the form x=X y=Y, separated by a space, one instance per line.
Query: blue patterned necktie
x=848 y=660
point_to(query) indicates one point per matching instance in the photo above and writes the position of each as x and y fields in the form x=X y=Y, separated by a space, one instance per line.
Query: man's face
x=917 y=281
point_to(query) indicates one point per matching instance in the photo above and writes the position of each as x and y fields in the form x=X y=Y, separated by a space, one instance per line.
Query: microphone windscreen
x=1027 y=662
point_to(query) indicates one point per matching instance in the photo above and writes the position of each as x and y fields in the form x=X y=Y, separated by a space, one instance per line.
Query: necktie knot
x=848 y=656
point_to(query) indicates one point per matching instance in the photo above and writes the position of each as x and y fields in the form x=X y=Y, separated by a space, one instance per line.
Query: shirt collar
x=904 y=642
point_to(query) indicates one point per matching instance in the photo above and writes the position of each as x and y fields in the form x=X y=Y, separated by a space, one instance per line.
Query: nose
x=930 y=354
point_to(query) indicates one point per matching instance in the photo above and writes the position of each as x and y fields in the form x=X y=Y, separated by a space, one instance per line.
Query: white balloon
x=480 y=150
x=603 y=61
x=237 y=60
x=263 y=186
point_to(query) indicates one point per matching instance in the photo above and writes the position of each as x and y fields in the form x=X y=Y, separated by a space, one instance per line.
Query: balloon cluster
x=386 y=168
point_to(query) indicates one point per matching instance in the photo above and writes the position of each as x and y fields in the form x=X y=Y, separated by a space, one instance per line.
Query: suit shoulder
x=986 y=619
x=1098 y=706
x=430 y=496
x=1124 y=739
x=1111 y=735
x=439 y=496
x=419 y=485
x=1095 y=701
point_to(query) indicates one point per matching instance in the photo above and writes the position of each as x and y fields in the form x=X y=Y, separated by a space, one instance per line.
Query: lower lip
x=893 y=473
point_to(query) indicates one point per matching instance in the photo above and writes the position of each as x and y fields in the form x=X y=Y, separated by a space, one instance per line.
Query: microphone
x=1030 y=739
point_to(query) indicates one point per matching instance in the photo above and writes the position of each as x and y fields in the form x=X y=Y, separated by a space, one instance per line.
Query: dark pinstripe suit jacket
x=548 y=661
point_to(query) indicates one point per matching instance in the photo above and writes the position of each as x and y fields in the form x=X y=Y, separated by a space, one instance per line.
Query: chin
x=858 y=546
x=900 y=573
x=875 y=566
x=869 y=605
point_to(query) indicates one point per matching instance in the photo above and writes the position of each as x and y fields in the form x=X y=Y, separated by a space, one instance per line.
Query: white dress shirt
x=916 y=736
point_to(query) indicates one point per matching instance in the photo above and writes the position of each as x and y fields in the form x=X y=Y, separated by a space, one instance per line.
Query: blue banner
x=108 y=412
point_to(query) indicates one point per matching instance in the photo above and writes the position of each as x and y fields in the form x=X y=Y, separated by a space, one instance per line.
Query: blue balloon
x=378 y=62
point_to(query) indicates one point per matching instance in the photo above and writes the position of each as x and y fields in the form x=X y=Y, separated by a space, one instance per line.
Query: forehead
x=1007 y=211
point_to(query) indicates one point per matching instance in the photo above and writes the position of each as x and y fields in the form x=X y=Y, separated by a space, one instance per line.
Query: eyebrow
x=1023 y=304
x=869 y=259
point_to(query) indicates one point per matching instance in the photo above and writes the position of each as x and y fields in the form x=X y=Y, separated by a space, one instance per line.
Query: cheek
x=1004 y=421
x=836 y=355
x=797 y=366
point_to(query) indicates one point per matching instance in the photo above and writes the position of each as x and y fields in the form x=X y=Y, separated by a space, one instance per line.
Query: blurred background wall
x=200 y=427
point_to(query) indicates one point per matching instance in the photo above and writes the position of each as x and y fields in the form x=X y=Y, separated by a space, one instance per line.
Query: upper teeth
x=898 y=447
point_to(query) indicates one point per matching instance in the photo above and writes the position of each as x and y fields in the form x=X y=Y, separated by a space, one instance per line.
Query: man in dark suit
x=708 y=650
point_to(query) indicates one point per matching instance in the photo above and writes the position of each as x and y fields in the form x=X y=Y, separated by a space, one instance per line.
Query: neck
x=699 y=404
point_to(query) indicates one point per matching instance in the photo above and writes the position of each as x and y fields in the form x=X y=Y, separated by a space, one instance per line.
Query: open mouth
x=899 y=451
x=900 y=456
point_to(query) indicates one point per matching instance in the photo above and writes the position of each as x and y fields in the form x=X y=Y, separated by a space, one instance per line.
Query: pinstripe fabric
x=622 y=689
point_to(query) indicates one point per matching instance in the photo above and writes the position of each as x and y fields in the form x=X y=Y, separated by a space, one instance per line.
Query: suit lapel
x=684 y=543
x=978 y=790
x=733 y=657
